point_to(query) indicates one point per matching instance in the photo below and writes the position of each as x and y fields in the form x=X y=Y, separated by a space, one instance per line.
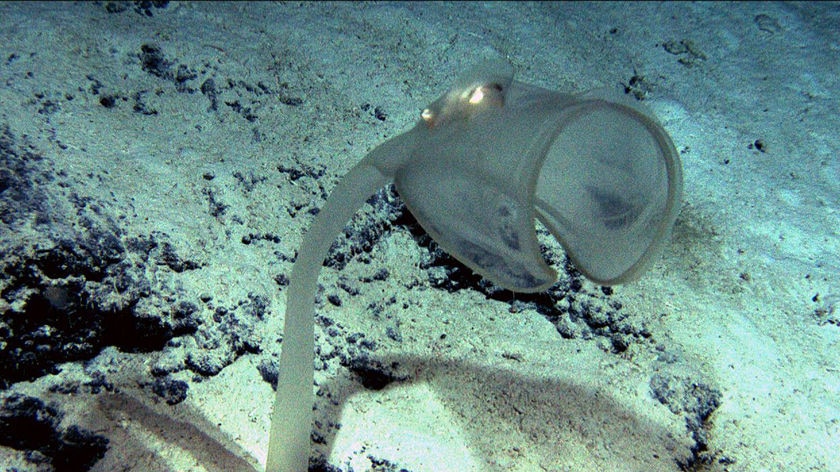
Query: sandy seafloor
x=159 y=165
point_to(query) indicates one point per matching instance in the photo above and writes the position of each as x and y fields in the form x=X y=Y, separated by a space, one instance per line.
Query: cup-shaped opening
x=609 y=188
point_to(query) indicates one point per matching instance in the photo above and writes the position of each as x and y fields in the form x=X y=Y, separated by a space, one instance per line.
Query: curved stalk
x=291 y=420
